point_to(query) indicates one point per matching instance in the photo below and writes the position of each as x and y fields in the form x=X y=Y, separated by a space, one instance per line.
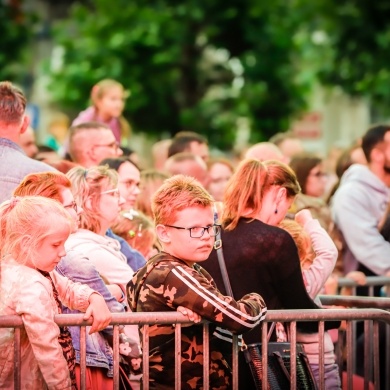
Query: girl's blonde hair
x=26 y=221
x=87 y=185
x=137 y=229
x=175 y=194
x=246 y=188
x=100 y=89
x=302 y=241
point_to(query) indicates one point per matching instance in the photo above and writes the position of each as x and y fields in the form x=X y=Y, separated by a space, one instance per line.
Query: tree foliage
x=15 y=37
x=204 y=65
x=197 y=65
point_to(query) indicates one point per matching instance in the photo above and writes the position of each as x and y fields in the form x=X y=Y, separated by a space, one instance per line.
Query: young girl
x=318 y=255
x=108 y=101
x=139 y=231
x=31 y=245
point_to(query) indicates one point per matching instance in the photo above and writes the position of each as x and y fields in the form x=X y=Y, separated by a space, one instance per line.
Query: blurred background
x=237 y=71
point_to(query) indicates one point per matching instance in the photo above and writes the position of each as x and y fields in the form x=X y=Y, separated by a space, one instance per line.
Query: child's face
x=111 y=103
x=179 y=242
x=51 y=249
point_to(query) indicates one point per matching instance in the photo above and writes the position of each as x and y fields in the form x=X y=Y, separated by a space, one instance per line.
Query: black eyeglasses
x=198 y=232
x=73 y=205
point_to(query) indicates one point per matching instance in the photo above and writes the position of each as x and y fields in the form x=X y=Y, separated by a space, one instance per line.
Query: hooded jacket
x=167 y=282
x=358 y=207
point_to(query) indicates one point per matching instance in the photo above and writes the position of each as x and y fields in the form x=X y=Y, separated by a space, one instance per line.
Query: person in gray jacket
x=14 y=163
x=360 y=206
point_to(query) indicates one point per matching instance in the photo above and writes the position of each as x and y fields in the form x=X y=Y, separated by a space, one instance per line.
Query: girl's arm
x=325 y=258
x=81 y=297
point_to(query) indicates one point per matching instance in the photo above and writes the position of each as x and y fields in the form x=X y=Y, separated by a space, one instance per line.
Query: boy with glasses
x=183 y=214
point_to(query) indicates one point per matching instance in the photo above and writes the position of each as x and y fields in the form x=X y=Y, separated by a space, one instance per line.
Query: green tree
x=195 y=65
x=15 y=37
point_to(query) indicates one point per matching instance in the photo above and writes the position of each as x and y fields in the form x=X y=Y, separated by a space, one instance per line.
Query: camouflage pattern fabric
x=165 y=283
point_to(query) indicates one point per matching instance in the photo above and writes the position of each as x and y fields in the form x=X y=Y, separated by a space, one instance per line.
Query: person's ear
x=281 y=195
x=25 y=124
x=162 y=233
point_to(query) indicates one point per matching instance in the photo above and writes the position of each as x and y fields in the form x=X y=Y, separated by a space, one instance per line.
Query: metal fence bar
x=116 y=356
x=367 y=352
x=177 y=356
x=17 y=360
x=376 y=356
x=206 y=355
x=145 y=357
x=293 y=361
x=236 y=349
x=321 y=352
x=264 y=354
x=292 y=316
x=83 y=357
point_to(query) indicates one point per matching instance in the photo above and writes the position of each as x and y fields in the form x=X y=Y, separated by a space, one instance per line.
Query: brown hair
x=177 y=193
x=302 y=164
x=47 y=184
x=247 y=186
x=12 y=103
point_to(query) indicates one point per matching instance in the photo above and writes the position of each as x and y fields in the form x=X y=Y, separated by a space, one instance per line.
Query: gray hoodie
x=358 y=206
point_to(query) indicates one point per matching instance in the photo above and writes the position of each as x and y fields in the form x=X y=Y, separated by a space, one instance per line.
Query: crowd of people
x=85 y=227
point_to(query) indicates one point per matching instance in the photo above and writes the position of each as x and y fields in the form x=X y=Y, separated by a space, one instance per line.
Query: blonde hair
x=25 y=222
x=100 y=89
x=137 y=229
x=246 y=188
x=47 y=184
x=175 y=194
x=87 y=184
x=302 y=241
x=150 y=181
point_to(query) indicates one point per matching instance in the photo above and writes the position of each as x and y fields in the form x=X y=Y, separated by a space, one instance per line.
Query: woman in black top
x=260 y=257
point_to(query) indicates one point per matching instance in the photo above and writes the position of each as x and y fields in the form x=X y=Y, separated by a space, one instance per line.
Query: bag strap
x=225 y=276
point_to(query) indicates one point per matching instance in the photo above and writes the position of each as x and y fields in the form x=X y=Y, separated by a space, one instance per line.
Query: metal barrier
x=371 y=282
x=370 y=316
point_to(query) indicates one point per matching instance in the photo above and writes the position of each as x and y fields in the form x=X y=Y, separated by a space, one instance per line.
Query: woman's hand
x=98 y=310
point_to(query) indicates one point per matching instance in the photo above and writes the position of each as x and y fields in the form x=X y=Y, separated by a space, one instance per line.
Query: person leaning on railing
x=185 y=226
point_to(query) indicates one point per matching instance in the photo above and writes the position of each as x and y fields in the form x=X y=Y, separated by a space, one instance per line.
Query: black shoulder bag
x=279 y=353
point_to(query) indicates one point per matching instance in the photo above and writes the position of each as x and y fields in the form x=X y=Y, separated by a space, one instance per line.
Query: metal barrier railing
x=372 y=316
x=371 y=282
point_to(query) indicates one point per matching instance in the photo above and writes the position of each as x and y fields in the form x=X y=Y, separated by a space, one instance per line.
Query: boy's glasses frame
x=198 y=231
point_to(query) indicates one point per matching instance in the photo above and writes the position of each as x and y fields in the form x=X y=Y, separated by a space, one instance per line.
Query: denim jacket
x=78 y=268
x=14 y=166
x=134 y=258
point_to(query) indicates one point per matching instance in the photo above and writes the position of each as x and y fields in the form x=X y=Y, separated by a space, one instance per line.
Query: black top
x=264 y=259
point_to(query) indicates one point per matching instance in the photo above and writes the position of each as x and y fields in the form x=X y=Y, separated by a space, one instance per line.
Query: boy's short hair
x=175 y=194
